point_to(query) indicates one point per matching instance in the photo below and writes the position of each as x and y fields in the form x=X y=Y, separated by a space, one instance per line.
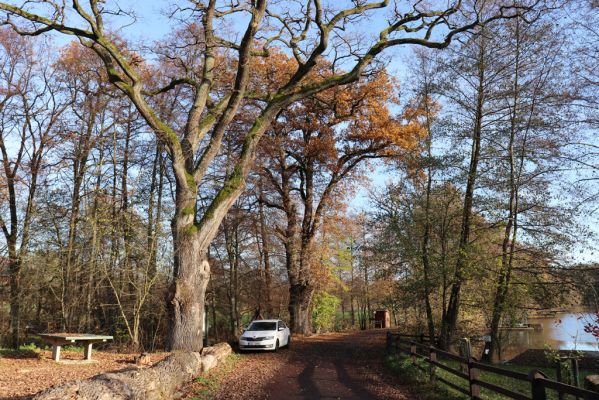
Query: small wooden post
x=465 y=352
x=465 y=348
x=398 y=345
x=433 y=368
x=413 y=353
x=389 y=342
x=473 y=374
x=537 y=388
x=56 y=352
x=87 y=351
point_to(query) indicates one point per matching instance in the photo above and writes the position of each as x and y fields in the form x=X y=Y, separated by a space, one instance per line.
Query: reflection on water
x=564 y=331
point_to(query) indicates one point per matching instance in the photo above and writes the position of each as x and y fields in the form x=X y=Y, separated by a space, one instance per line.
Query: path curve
x=347 y=366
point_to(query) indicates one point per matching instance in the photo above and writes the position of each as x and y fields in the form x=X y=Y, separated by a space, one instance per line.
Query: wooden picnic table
x=57 y=340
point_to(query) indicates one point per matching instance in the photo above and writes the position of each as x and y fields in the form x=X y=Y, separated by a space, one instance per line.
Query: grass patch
x=24 y=351
x=72 y=348
x=206 y=386
x=418 y=381
x=410 y=374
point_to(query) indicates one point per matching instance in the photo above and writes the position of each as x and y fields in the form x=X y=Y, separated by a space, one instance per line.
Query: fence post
x=559 y=377
x=537 y=388
x=433 y=368
x=413 y=353
x=397 y=345
x=465 y=348
x=389 y=342
x=472 y=377
x=465 y=352
x=575 y=372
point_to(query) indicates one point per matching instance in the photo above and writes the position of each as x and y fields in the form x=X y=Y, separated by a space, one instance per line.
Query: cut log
x=208 y=362
x=158 y=382
x=219 y=350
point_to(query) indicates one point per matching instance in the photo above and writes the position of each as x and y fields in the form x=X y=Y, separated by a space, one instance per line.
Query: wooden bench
x=57 y=340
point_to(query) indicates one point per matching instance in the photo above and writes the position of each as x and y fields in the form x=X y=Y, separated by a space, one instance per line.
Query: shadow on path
x=340 y=366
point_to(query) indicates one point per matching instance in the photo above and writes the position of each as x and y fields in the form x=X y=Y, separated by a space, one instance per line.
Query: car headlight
x=269 y=338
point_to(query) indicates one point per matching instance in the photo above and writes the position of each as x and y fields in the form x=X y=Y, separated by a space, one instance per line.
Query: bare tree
x=29 y=112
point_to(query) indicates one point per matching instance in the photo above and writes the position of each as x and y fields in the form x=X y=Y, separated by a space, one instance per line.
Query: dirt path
x=336 y=366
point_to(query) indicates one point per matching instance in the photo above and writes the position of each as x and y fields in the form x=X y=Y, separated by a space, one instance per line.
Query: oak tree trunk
x=185 y=303
x=300 y=300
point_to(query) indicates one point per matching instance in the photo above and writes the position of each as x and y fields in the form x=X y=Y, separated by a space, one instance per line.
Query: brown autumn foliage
x=315 y=154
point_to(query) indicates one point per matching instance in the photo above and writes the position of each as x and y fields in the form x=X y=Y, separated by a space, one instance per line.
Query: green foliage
x=73 y=348
x=408 y=374
x=211 y=382
x=30 y=350
x=30 y=347
x=324 y=311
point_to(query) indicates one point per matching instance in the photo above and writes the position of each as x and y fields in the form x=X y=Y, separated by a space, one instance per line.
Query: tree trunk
x=186 y=294
x=230 y=228
x=449 y=324
x=15 y=296
x=300 y=300
x=351 y=293
x=509 y=234
x=265 y=255
x=367 y=312
x=427 y=221
x=185 y=302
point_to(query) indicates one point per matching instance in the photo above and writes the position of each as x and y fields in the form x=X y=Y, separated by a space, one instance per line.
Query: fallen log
x=214 y=355
x=159 y=382
x=219 y=350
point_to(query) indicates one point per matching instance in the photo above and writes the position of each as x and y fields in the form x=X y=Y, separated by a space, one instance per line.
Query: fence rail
x=539 y=383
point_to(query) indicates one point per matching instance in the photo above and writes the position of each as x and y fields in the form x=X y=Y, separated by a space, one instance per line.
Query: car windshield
x=263 y=326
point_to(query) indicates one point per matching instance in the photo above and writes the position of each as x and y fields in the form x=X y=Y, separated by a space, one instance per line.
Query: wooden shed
x=382 y=319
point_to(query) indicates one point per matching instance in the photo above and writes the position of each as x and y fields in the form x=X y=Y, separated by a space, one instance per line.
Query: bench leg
x=56 y=352
x=87 y=350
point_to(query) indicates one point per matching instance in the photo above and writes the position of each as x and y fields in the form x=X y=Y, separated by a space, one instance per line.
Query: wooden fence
x=471 y=369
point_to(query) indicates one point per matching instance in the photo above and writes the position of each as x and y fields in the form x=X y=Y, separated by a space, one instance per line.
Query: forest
x=302 y=161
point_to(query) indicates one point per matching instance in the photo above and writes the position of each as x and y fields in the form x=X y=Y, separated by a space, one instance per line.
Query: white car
x=265 y=334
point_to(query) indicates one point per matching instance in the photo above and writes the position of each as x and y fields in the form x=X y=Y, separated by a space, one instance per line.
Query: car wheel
x=288 y=342
x=276 y=346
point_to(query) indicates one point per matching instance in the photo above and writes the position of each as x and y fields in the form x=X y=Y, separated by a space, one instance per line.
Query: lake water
x=564 y=331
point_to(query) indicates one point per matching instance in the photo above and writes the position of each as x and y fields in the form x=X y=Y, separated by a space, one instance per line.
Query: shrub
x=324 y=311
